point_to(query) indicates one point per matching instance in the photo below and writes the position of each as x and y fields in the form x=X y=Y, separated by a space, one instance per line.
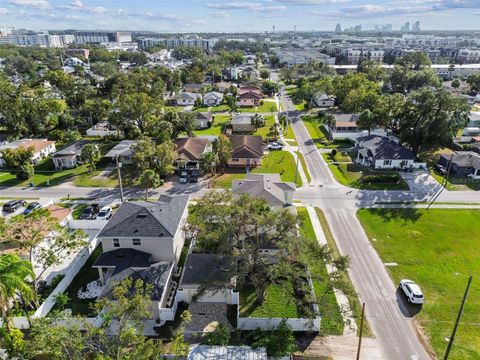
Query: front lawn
x=279 y=162
x=265 y=131
x=267 y=106
x=224 y=181
x=279 y=302
x=349 y=174
x=319 y=135
x=431 y=247
x=217 y=127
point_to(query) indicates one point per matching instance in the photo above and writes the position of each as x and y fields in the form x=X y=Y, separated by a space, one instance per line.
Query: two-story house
x=190 y=152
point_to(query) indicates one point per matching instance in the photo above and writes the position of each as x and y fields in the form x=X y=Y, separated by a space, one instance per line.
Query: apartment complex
x=102 y=37
x=206 y=44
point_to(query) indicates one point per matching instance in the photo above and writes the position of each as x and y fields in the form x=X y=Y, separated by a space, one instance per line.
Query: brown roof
x=345 y=124
x=246 y=146
x=245 y=89
x=191 y=148
x=249 y=95
x=58 y=212
x=37 y=144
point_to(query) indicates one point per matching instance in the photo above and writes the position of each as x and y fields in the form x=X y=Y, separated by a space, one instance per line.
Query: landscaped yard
x=319 y=135
x=279 y=162
x=332 y=322
x=217 y=127
x=434 y=248
x=349 y=174
x=267 y=106
x=279 y=302
x=218 y=108
x=265 y=131
x=225 y=181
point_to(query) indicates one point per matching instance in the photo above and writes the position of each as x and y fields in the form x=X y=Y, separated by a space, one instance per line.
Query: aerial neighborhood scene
x=264 y=179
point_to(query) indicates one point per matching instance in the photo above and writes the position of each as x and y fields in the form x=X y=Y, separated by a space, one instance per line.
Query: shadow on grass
x=392 y=214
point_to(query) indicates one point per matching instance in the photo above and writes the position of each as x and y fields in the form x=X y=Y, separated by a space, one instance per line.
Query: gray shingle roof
x=383 y=148
x=202 y=268
x=124 y=258
x=207 y=352
x=464 y=159
x=123 y=148
x=73 y=149
x=147 y=219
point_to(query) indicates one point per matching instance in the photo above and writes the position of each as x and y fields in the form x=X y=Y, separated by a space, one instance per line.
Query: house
x=250 y=74
x=463 y=164
x=41 y=148
x=247 y=151
x=249 y=99
x=69 y=157
x=242 y=123
x=381 y=152
x=103 y=129
x=201 y=269
x=249 y=89
x=74 y=61
x=187 y=98
x=153 y=228
x=124 y=151
x=345 y=127
x=212 y=98
x=323 y=100
x=190 y=151
x=268 y=187
x=230 y=73
x=223 y=86
x=204 y=120
x=207 y=352
x=193 y=88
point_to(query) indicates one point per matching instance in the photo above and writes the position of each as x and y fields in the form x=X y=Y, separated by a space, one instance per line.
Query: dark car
x=13 y=205
x=440 y=169
x=193 y=178
x=90 y=212
x=31 y=208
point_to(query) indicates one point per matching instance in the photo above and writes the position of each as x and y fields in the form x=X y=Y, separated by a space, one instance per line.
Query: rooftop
x=191 y=148
x=123 y=148
x=382 y=147
x=203 y=268
x=246 y=146
x=207 y=352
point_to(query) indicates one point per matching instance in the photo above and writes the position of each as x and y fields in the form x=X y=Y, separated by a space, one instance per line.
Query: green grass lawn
x=290 y=137
x=225 y=181
x=217 y=127
x=301 y=106
x=279 y=162
x=332 y=322
x=350 y=174
x=304 y=166
x=279 y=302
x=457 y=184
x=319 y=135
x=267 y=106
x=265 y=131
x=430 y=246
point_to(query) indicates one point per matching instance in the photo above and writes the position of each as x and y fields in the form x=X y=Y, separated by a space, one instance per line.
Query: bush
x=381 y=178
x=333 y=153
x=26 y=171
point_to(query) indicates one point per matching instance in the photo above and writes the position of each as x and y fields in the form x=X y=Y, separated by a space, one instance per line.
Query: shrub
x=381 y=178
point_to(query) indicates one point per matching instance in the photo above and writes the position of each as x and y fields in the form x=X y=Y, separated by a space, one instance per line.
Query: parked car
x=193 y=178
x=440 y=169
x=412 y=291
x=13 y=205
x=105 y=213
x=31 y=208
x=183 y=177
x=275 y=146
x=90 y=212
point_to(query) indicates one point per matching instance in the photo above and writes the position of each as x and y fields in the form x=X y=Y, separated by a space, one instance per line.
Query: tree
x=179 y=346
x=14 y=273
x=416 y=60
x=148 y=180
x=20 y=160
x=126 y=310
x=383 y=113
x=474 y=81
x=257 y=120
x=138 y=109
x=356 y=87
x=159 y=158
x=431 y=119
x=231 y=102
x=288 y=74
x=209 y=162
x=91 y=155
x=265 y=73
x=373 y=70
x=279 y=342
x=451 y=69
x=455 y=83
x=28 y=232
x=223 y=148
x=269 y=87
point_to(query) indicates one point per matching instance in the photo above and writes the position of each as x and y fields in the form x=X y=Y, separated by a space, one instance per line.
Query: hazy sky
x=230 y=16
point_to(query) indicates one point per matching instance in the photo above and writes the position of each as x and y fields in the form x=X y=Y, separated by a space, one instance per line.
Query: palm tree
x=13 y=272
x=149 y=179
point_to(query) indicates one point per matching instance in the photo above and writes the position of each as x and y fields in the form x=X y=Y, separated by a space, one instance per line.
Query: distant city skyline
x=237 y=16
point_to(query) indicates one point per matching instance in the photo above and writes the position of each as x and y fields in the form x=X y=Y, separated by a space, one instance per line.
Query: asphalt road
x=393 y=328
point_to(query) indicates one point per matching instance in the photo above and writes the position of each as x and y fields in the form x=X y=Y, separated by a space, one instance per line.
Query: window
x=116 y=243
x=136 y=242
x=387 y=162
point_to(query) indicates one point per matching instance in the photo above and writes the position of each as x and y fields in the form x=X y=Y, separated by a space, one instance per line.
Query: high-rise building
x=206 y=44
x=406 y=27
x=338 y=28
x=102 y=37
x=387 y=27
x=416 y=26
x=358 y=28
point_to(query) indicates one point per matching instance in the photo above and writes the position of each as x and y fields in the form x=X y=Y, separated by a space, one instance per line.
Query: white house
x=204 y=120
x=74 y=61
x=187 y=98
x=381 y=152
x=124 y=150
x=70 y=156
x=41 y=148
x=212 y=98
x=345 y=127
x=323 y=100
x=103 y=129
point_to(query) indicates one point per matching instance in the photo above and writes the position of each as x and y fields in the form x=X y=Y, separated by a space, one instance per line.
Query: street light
x=452 y=338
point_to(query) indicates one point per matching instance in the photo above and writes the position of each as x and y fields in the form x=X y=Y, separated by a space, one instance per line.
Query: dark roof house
x=246 y=146
x=191 y=148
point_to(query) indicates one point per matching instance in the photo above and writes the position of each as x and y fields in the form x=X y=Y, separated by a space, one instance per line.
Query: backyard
x=217 y=127
x=267 y=106
x=350 y=174
x=434 y=248
x=265 y=131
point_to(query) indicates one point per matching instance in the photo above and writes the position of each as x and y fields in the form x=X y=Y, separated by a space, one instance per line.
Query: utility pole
x=450 y=341
x=361 y=332
x=119 y=178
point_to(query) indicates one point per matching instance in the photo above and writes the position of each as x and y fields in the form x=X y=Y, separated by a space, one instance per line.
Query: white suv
x=412 y=291
x=105 y=213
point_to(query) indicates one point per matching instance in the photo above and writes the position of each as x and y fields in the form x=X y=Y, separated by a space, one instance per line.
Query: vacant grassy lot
x=349 y=174
x=265 y=131
x=267 y=106
x=218 y=108
x=279 y=162
x=430 y=247
x=319 y=135
x=217 y=127
x=225 y=181
x=332 y=322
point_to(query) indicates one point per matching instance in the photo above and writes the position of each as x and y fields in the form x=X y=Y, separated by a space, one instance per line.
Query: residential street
x=394 y=331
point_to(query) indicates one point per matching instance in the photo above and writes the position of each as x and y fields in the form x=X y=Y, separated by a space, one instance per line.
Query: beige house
x=247 y=151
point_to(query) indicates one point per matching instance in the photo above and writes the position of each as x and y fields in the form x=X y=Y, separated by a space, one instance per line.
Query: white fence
x=86 y=224
x=103 y=133
x=296 y=324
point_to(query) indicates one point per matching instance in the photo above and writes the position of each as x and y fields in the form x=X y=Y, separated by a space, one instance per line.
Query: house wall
x=248 y=102
x=186 y=293
x=162 y=249
x=103 y=133
x=243 y=128
x=185 y=102
x=325 y=103
x=396 y=164
x=62 y=163
x=235 y=162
